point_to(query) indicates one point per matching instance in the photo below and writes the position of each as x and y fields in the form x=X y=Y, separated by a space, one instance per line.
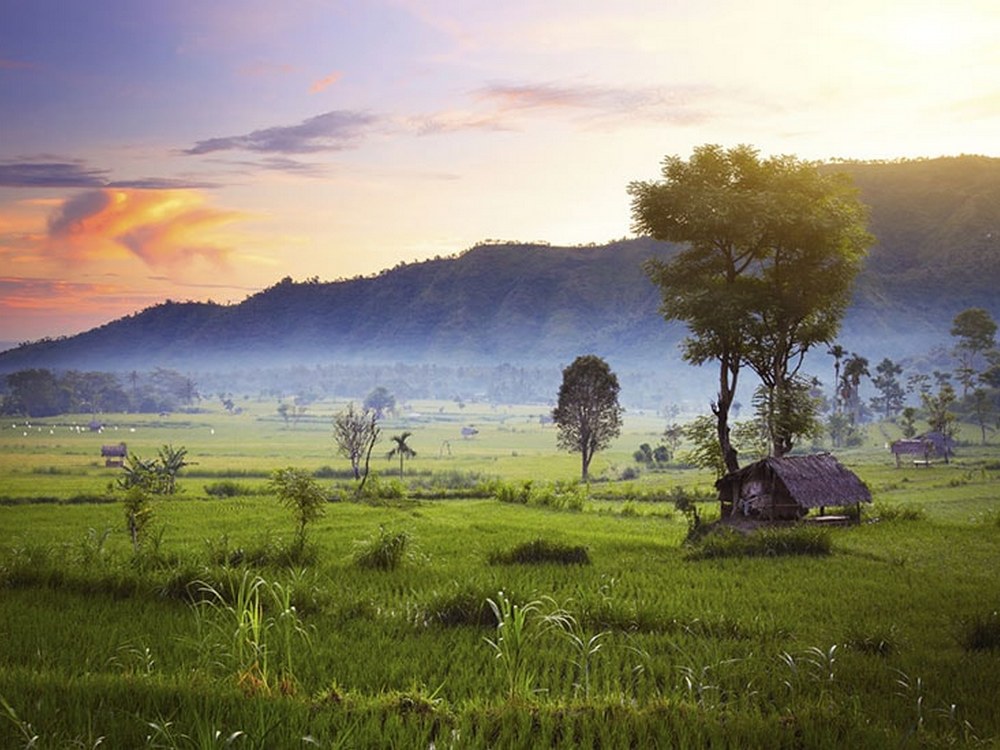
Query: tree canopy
x=587 y=413
x=772 y=249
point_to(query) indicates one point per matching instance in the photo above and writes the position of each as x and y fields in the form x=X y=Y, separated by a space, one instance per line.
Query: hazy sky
x=203 y=149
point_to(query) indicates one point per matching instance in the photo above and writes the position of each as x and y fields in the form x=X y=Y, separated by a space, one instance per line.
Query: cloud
x=499 y=107
x=162 y=228
x=50 y=174
x=75 y=174
x=324 y=83
x=330 y=131
x=679 y=105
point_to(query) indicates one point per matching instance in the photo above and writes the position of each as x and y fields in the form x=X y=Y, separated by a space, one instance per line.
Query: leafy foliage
x=587 y=412
x=298 y=491
x=772 y=249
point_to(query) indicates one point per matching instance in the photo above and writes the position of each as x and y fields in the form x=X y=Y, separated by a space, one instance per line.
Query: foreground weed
x=385 y=550
x=516 y=627
x=585 y=649
x=24 y=729
x=261 y=646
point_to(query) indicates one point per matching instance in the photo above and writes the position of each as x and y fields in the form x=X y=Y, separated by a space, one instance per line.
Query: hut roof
x=812 y=481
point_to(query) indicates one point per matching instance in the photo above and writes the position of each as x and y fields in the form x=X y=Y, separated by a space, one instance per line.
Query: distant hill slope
x=937 y=224
x=493 y=303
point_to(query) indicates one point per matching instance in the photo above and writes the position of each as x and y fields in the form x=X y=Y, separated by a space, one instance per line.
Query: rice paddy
x=216 y=634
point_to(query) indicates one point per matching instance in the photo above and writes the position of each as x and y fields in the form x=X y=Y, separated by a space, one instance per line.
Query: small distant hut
x=924 y=448
x=788 y=488
x=114 y=455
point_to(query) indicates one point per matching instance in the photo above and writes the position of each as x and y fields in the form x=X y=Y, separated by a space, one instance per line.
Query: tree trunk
x=728 y=372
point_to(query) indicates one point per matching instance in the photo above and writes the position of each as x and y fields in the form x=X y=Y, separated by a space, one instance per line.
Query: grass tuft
x=768 y=542
x=541 y=551
x=385 y=550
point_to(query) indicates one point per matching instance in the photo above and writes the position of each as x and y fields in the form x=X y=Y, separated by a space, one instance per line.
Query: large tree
x=772 y=247
x=587 y=413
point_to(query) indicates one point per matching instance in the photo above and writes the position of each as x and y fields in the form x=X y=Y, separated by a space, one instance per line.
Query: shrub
x=298 y=492
x=797 y=540
x=510 y=492
x=463 y=606
x=378 y=491
x=980 y=632
x=228 y=488
x=885 y=512
x=541 y=551
x=385 y=550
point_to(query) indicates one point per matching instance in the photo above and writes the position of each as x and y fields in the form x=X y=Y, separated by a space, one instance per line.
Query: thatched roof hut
x=789 y=487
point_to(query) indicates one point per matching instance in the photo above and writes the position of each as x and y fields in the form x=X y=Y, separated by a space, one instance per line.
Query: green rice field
x=483 y=600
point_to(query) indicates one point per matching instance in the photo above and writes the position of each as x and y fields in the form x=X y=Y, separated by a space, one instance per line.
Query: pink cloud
x=324 y=83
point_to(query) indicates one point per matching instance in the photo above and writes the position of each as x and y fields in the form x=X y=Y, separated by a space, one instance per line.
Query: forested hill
x=514 y=303
x=936 y=222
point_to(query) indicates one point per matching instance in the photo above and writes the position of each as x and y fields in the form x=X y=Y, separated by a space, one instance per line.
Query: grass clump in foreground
x=767 y=542
x=540 y=551
x=385 y=550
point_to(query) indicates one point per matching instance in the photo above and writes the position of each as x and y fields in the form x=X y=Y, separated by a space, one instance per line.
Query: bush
x=463 y=606
x=797 y=540
x=228 y=488
x=884 y=512
x=510 y=492
x=383 y=551
x=541 y=551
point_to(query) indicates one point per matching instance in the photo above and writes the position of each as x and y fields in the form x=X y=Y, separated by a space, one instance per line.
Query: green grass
x=885 y=640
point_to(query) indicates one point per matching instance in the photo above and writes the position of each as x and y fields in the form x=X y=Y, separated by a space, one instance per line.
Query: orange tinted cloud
x=163 y=228
x=325 y=82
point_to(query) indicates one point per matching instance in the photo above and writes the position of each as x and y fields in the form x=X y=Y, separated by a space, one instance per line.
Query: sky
x=204 y=150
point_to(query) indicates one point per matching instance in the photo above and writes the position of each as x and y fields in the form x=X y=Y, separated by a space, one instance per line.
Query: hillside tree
x=975 y=330
x=891 y=391
x=855 y=368
x=587 y=413
x=772 y=247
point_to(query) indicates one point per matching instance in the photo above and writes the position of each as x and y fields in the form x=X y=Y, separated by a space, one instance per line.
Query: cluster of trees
x=44 y=393
x=976 y=360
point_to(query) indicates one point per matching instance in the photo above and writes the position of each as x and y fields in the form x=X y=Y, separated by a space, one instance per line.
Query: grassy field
x=217 y=635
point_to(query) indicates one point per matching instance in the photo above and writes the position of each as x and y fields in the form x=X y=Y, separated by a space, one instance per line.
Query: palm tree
x=837 y=352
x=402 y=450
x=855 y=368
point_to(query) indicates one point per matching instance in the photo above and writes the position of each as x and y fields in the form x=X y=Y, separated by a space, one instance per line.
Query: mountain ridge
x=936 y=222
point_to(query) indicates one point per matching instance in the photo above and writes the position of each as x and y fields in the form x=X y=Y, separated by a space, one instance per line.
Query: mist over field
x=501 y=308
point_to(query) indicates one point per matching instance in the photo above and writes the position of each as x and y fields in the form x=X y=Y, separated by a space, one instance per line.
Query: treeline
x=45 y=393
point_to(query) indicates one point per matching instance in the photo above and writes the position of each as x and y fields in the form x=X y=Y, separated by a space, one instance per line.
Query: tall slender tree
x=401 y=450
